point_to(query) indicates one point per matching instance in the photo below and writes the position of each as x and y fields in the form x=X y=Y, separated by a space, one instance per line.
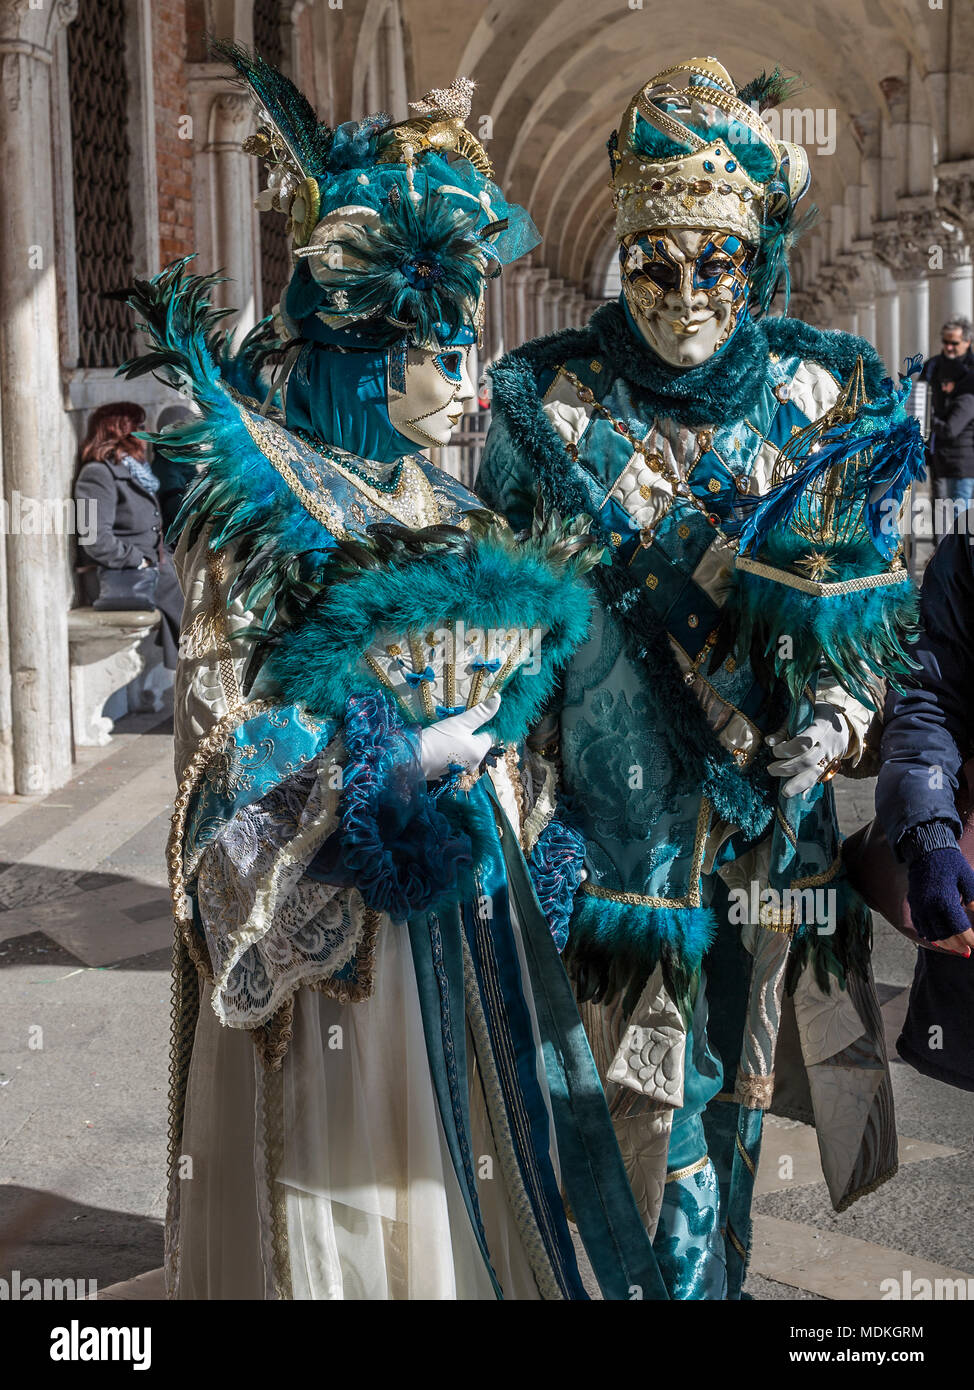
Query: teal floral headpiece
x=395 y=227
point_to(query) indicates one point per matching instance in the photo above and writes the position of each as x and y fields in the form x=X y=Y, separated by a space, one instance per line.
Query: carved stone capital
x=32 y=30
x=903 y=242
x=955 y=202
x=232 y=117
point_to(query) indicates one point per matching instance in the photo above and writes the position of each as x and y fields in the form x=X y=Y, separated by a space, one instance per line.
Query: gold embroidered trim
x=748 y=1160
x=503 y=674
x=866 y=1188
x=732 y=1237
x=216 y=577
x=789 y=832
x=354 y=991
x=517 y=783
x=322 y=509
x=273 y=1038
x=692 y=898
x=810 y=586
x=816 y=880
x=273 y=1088
x=414 y=496
x=185 y=1008
x=679 y=1174
x=754 y=1092
x=419 y=664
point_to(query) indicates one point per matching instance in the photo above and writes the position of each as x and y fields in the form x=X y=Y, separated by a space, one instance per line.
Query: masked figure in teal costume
x=745 y=473
x=381 y=1085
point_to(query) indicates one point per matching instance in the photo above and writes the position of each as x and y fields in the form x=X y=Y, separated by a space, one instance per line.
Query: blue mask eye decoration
x=724 y=261
x=449 y=364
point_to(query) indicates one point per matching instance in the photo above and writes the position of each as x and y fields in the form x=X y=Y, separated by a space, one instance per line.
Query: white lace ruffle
x=268 y=928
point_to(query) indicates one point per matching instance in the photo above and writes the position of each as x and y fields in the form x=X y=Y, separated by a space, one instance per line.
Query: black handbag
x=127 y=588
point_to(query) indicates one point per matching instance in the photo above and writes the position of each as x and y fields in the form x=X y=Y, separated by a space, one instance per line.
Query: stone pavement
x=84 y=1003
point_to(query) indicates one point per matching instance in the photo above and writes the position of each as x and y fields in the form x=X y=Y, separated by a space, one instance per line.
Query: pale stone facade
x=887 y=112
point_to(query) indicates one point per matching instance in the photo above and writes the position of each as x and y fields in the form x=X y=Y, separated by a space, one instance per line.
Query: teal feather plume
x=489 y=581
x=862 y=635
x=613 y=948
x=424 y=266
x=769 y=89
x=307 y=139
x=236 y=491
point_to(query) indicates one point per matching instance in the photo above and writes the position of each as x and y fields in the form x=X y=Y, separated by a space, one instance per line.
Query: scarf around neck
x=140 y=471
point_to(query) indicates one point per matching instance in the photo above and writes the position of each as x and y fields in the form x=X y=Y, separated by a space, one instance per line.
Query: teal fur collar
x=725 y=388
x=491 y=581
x=722 y=390
x=837 y=352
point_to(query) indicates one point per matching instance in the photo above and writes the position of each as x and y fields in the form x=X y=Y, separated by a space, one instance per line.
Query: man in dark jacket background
x=929 y=732
x=950 y=376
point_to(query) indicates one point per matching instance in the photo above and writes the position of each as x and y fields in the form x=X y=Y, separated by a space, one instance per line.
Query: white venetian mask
x=686 y=289
x=437 y=383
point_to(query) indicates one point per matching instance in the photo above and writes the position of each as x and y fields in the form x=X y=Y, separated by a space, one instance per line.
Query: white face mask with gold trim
x=687 y=290
x=437 y=385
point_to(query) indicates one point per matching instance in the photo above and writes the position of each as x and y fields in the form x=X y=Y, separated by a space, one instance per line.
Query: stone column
x=902 y=244
x=888 y=328
x=520 y=329
x=225 y=184
x=914 y=293
x=539 y=286
x=955 y=201
x=495 y=335
x=956 y=290
x=553 y=305
x=35 y=708
x=865 y=313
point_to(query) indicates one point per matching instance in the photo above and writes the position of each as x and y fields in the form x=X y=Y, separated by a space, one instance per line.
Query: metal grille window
x=275 y=266
x=98 y=90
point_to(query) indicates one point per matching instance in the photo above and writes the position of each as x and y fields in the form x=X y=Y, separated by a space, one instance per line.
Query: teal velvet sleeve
x=505 y=481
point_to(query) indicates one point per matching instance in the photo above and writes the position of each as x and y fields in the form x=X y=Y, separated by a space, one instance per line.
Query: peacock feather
x=307 y=140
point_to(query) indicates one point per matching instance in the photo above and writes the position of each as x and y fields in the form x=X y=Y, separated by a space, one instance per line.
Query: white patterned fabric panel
x=207 y=682
x=568 y=415
x=813 y=390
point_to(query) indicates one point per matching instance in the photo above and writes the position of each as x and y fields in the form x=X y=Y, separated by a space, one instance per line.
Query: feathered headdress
x=395 y=227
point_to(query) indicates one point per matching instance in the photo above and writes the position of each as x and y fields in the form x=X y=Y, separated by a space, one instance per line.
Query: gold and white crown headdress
x=707 y=187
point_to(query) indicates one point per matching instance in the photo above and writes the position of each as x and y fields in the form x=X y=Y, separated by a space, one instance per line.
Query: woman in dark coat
x=928 y=735
x=116 y=481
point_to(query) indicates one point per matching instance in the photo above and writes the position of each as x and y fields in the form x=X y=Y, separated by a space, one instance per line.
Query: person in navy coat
x=929 y=734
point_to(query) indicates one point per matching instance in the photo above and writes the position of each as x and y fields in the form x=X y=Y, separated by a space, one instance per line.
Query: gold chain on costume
x=653 y=457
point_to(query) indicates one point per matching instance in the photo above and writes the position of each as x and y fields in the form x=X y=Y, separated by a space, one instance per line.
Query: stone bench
x=116 y=669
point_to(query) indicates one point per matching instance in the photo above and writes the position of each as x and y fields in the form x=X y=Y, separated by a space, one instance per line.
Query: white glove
x=456 y=741
x=806 y=757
